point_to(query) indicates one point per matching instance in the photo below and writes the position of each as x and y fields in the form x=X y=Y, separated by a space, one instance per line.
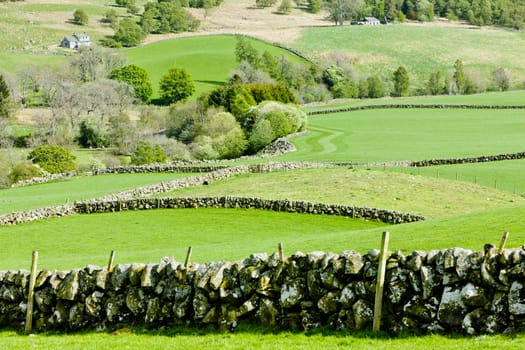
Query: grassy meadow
x=209 y=59
x=422 y=49
x=75 y=188
x=408 y=134
x=147 y=236
x=466 y=205
x=36 y=27
x=504 y=175
x=421 y=195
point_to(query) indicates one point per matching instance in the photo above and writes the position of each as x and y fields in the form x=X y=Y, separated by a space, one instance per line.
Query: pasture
x=147 y=236
x=421 y=195
x=466 y=213
x=408 y=134
x=422 y=49
x=209 y=59
x=75 y=188
x=503 y=175
x=37 y=26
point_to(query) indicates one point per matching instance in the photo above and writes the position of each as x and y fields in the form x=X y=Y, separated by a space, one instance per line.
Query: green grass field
x=35 y=27
x=147 y=236
x=421 y=49
x=468 y=212
x=250 y=338
x=409 y=134
x=255 y=338
x=427 y=196
x=75 y=188
x=209 y=59
x=504 y=175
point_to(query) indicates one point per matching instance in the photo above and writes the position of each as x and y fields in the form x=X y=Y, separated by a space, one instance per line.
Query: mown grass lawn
x=75 y=188
x=408 y=134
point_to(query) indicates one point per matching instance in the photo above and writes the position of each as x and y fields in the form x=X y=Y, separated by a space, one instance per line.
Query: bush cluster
x=53 y=159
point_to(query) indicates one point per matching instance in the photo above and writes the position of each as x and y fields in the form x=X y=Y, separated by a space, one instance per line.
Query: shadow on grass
x=211 y=82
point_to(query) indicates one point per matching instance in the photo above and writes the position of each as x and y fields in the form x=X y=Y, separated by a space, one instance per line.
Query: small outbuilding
x=76 y=41
x=371 y=21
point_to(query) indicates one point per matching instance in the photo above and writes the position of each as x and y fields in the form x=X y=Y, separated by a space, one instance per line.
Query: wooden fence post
x=281 y=252
x=503 y=242
x=30 y=294
x=188 y=257
x=111 y=259
x=380 y=284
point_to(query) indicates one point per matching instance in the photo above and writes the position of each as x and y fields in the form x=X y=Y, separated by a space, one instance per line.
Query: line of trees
x=506 y=13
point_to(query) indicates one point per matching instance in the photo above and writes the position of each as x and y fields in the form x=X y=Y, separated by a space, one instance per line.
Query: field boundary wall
x=441 y=291
x=413 y=106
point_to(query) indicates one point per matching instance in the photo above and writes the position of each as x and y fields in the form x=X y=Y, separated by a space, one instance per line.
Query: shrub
x=24 y=171
x=147 y=154
x=274 y=120
x=234 y=98
x=53 y=159
x=261 y=136
x=225 y=135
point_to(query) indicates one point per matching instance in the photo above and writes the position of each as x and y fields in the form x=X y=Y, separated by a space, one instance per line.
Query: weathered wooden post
x=31 y=293
x=503 y=242
x=111 y=259
x=188 y=257
x=281 y=252
x=380 y=285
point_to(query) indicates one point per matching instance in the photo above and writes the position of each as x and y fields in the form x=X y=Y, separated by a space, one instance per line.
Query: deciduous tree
x=137 y=77
x=176 y=85
x=128 y=33
x=401 y=81
x=4 y=98
x=459 y=76
x=343 y=10
x=501 y=79
x=80 y=17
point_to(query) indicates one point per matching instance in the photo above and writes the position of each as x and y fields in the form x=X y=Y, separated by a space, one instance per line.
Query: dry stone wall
x=382 y=215
x=453 y=290
x=163 y=187
x=413 y=106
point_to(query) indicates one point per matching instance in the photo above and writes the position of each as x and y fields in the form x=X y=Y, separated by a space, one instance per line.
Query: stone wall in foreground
x=453 y=290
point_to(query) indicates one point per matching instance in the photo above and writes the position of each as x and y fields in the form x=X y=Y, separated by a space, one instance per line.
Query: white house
x=76 y=41
x=370 y=21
